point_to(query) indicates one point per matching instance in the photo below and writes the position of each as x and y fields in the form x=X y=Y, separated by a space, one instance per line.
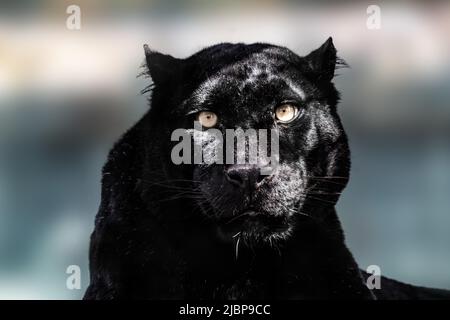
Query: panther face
x=257 y=87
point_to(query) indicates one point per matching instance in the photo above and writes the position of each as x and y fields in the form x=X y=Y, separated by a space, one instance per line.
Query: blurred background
x=67 y=95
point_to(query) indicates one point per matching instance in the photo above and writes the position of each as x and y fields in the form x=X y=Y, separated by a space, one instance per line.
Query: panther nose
x=244 y=176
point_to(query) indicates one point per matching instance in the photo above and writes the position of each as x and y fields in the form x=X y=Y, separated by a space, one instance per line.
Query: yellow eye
x=286 y=112
x=207 y=119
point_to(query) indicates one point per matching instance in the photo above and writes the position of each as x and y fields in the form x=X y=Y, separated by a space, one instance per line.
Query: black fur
x=166 y=231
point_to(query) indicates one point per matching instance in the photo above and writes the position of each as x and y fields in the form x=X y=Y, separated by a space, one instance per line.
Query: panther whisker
x=237 y=247
x=328 y=177
x=237 y=217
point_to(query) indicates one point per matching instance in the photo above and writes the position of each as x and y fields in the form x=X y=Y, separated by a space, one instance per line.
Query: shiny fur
x=166 y=231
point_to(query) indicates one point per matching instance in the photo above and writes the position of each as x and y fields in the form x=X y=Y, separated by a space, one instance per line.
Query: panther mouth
x=253 y=224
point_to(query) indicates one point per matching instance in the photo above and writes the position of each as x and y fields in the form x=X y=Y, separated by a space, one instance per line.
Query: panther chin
x=254 y=227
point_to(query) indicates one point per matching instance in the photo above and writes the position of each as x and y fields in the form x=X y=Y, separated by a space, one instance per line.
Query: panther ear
x=161 y=67
x=323 y=61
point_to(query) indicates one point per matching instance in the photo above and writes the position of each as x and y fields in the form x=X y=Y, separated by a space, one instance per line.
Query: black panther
x=226 y=231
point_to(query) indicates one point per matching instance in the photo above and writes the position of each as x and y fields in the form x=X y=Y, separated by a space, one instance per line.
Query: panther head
x=256 y=86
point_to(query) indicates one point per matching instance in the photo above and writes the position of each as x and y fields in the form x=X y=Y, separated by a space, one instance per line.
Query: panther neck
x=315 y=259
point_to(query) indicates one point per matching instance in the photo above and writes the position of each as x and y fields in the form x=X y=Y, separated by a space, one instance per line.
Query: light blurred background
x=66 y=96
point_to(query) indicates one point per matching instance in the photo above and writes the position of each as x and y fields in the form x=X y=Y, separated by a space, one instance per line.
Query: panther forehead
x=257 y=70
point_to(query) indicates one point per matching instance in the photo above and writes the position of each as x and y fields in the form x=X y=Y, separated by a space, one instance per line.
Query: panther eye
x=286 y=112
x=207 y=119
